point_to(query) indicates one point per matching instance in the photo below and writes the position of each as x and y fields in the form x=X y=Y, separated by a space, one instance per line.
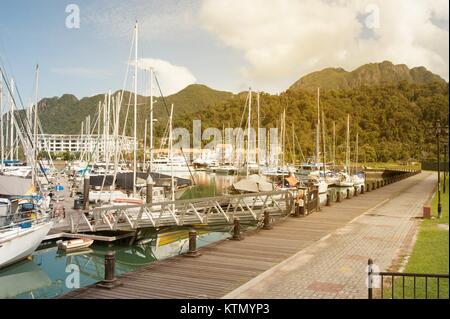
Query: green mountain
x=371 y=74
x=64 y=115
x=391 y=107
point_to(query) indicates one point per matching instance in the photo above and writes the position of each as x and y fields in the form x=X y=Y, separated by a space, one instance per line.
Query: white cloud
x=284 y=39
x=171 y=78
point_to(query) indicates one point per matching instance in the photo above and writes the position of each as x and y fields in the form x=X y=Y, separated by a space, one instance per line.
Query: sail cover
x=14 y=185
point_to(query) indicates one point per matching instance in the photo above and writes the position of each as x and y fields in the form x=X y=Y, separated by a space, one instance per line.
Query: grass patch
x=429 y=255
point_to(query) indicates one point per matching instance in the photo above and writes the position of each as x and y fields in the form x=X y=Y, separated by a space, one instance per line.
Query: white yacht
x=167 y=165
x=18 y=240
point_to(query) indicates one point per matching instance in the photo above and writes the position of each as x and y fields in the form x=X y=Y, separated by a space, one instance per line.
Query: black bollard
x=368 y=188
x=110 y=280
x=362 y=189
x=338 y=196
x=373 y=186
x=355 y=192
x=86 y=191
x=348 y=193
x=267 y=224
x=193 y=252
x=237 y=229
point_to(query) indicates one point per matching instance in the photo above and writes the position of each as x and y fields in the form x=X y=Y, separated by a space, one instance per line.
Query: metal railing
x=405 y=285
x=221 y=209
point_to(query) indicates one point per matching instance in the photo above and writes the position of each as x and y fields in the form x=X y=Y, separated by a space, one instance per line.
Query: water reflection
x=44 y=276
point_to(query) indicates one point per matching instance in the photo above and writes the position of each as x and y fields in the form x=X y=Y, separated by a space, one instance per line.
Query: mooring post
x=110 y=280
x=237 y=229
x=86 y=187
x=318 y=201
x=193 y=252
x=267 y=224
x=369 y=279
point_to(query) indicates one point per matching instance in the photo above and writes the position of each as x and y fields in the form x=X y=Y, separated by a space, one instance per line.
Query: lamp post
x=438 y=134
x=445 y=163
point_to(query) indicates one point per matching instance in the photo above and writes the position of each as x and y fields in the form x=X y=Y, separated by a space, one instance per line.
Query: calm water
x=44 y=274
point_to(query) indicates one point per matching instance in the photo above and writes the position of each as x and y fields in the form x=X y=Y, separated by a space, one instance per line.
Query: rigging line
x=24 y=127
x=167 y=110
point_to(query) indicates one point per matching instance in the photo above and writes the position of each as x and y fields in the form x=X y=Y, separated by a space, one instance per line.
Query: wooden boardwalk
x=226 y=265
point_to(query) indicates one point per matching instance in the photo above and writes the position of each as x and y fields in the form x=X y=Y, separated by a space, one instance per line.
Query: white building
x=82 y=143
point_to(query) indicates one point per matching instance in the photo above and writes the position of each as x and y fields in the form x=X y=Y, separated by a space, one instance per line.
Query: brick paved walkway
x=335 y=267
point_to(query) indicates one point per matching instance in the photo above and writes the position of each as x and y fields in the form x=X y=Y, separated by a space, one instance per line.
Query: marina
x=223 y=150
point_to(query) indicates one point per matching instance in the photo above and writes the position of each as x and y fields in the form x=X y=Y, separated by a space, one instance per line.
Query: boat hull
x=18 y=244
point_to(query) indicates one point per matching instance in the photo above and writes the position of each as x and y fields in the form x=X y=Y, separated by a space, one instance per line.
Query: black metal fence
x=396 y=285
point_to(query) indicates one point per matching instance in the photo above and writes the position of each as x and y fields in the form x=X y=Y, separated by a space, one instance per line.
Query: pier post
x=267 y=224
x=237 y=229
x=369 y=279
x=149 y=192
x=110 y=280
x=86 y=187
x=318 y=201
x=328 y=199
x=193 y=252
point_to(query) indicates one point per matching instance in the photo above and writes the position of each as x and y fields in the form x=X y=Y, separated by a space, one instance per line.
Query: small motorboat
x=74 y=244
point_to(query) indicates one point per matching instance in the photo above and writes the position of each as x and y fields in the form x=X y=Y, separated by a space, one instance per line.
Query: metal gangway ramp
x=211 y=210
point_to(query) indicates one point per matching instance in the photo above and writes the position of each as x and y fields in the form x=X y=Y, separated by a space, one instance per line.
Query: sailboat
x=358 y=178
x=23 y=226
x=319 y=177
x=345 y=180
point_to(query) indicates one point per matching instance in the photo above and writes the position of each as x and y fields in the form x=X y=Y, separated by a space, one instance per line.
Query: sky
x=226 y=44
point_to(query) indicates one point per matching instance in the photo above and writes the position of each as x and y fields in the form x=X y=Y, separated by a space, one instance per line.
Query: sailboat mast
x=347 y=153
x=135 y=108
x=318 y=127
x=145 y=144
x=35 y=128
x=11 y=123
x=259 y=126
x=249 y=128
x=323 y=147
x=172 y=184
x=356 y=156
x=151 y=119
x=293 y=144
x=334 y=143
